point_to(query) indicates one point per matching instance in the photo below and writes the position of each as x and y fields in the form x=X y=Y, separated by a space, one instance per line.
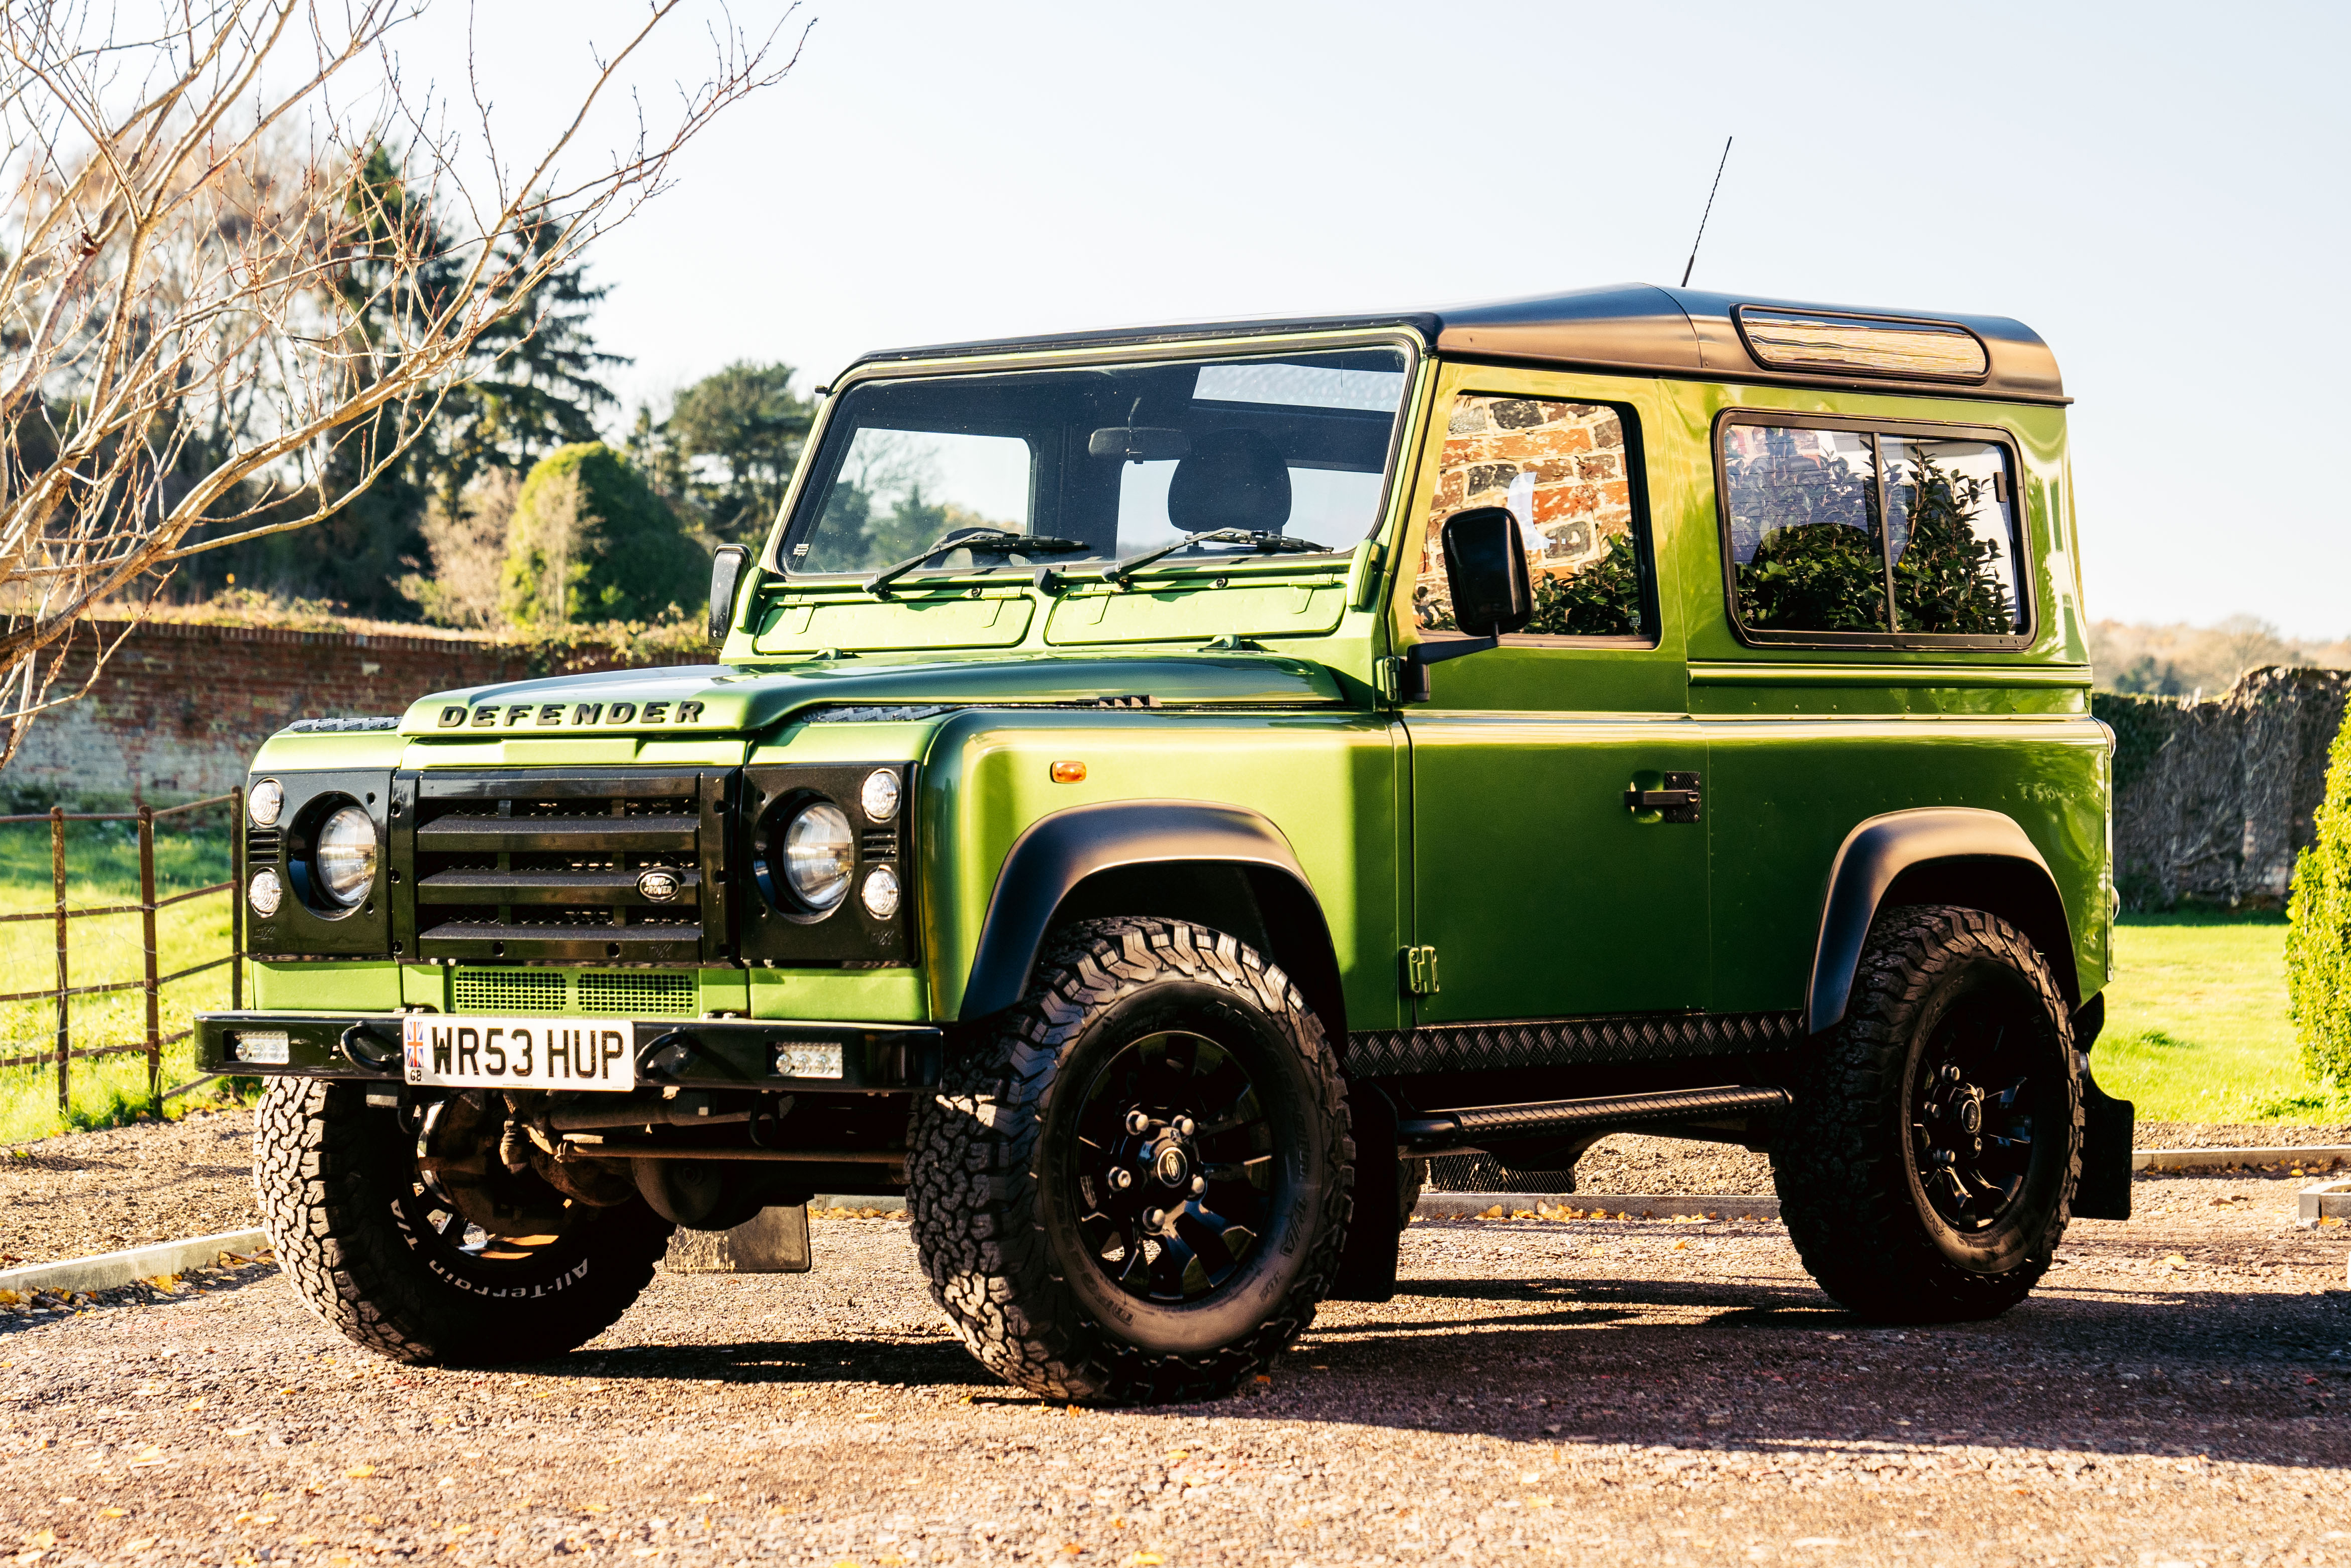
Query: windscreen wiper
x=980 y=541
x=1264 y=543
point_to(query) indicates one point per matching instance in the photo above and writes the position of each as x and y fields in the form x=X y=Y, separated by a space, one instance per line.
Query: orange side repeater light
x=1069 y=773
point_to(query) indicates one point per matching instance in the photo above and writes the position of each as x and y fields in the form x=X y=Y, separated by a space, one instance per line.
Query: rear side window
x=1562 y=468
x=1875 y=533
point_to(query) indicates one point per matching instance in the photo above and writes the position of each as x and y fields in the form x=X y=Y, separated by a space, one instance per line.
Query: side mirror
x=726 y=577
x=1486 y=571
x=1485 y=574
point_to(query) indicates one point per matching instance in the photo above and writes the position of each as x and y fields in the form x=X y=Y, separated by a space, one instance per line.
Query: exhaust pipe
x=1464 y=1130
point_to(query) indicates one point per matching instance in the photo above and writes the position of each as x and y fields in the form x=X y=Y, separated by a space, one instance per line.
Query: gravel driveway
x=1579 y=1392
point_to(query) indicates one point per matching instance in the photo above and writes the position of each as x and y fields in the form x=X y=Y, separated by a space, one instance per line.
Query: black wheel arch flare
x=1936 y=854
x=1192 y=859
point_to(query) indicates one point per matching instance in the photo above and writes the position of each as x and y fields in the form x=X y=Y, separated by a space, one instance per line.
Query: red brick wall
x=179 y=709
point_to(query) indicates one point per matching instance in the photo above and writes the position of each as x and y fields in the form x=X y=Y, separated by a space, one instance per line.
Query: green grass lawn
x=2197 y=1027
x=102 y=867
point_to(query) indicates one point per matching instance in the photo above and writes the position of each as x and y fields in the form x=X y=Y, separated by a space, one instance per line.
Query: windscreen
x=1103 y=463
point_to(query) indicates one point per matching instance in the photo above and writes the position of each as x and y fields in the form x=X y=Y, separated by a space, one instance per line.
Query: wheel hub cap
x=1173 y=1168
x=1971 y=1119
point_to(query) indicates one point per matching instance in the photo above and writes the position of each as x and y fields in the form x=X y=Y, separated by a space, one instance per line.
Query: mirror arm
x=1413 y=668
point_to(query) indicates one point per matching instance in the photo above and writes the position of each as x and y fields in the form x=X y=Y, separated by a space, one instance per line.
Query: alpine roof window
x=1849 y=531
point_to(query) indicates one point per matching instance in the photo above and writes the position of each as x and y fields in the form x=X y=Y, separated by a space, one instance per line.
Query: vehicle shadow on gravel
x=936 y=1364
x=2093 y=1371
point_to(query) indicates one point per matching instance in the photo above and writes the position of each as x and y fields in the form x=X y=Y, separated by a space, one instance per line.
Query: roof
x=1628 y=326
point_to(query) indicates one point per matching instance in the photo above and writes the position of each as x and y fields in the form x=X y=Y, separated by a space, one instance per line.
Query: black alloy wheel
x=1927 y=1169
x=1972 y=1108
x=1134 y=1185
x=1173 y=1182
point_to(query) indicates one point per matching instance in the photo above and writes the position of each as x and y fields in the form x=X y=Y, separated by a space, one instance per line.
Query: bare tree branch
x=229 y=304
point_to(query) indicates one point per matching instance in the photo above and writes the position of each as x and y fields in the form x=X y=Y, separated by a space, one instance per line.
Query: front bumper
x=698 y=1053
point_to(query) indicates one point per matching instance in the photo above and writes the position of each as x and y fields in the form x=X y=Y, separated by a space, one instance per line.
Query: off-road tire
x=978 y=1162
x=325 y=1167
x=1850 y=1186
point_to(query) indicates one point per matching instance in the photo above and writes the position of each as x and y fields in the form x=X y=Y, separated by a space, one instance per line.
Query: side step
x=1458 y=1132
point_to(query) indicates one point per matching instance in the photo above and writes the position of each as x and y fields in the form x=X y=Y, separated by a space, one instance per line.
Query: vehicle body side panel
x=1325 y=779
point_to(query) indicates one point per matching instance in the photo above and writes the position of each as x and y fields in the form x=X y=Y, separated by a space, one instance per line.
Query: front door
x=1544 y=888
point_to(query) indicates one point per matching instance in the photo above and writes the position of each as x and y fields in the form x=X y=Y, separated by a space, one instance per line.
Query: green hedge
x=2318 y=937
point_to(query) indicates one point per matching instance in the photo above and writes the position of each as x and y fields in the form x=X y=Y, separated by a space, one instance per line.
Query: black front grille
x=611 y=866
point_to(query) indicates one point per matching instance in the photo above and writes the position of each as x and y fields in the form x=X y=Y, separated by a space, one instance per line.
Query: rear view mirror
x=1138 y=443
x=1486 y=571
x=726 y=577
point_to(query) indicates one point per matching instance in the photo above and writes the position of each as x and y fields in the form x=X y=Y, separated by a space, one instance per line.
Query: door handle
x=1679 y=801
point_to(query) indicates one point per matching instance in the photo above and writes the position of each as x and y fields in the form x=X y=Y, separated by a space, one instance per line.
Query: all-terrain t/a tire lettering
x=1927 y=1168
x=336 y=1180
x=1136 y=1186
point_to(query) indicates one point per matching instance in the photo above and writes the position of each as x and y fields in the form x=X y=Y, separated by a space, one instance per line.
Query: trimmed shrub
x=589 y=541
x=2318 y=935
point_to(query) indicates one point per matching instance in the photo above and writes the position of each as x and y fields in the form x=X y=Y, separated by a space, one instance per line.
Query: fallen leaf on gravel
x=44 y=1537
x=139 y=1543
x=595 y=1507
x=1681 y=1246
x=149 y=1457
x=703 y=1497
x=112 y=1512
x=1140 y=1560
x=2175 y=1261
x=1540 y=1499
x=193 y=1405
x=1262 y=1377
x=358 y=1473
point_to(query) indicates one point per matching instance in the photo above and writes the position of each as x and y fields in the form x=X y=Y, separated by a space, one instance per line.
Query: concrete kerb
x=2224 y=1159
x=110 y=1271
x=1596 y=1204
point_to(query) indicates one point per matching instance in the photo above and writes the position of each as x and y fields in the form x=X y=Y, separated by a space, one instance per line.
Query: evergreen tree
x=735 y=438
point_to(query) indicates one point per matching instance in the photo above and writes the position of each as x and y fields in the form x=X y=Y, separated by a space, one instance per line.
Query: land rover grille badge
x=658 y=885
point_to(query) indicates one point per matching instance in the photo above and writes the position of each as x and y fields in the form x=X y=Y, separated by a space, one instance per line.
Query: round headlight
x=880 y=796
x=880 y=892
x=264 y=892
x=345 y=856
x=819 y=851
x=267 y=799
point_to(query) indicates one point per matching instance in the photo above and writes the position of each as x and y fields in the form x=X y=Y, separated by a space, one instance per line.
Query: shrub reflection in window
x=1560 y=468
x=1812 y=532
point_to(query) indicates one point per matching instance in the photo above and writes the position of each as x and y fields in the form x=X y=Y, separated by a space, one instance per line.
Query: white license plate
x=465 y=1051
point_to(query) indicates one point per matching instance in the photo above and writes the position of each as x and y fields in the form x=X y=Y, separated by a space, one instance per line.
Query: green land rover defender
x=1158 y=788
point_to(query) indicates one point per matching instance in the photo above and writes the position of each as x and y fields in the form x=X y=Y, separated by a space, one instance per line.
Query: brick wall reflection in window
x=1560 y=468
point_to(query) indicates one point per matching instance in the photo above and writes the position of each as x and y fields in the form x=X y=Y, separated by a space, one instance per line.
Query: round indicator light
x=880 y=894
x=880 y=795
x=264 y=892
x=265 y=801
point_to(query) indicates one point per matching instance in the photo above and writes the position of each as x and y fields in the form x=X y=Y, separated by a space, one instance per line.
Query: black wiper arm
x=985 y=541
x=1264 y=543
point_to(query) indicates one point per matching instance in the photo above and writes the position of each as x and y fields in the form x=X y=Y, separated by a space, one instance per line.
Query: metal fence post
x=236 y=899
x=147 y=924
x=64 y=1029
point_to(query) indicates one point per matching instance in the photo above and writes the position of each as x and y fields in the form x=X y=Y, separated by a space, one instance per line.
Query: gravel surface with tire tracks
x=2175 y=1393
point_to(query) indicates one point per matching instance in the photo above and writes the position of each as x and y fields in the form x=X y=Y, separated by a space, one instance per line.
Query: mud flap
x=1367 y=1266
x=2105 y=1191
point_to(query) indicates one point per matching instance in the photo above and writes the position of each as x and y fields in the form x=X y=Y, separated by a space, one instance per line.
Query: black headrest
x=1233 y=479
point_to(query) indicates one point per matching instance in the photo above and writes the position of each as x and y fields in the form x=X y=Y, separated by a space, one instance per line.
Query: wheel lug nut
x=1137 y=1122
x=1199 y=1186
x=1184 y=1127
x=1121 y=1179
x=1154 y=1217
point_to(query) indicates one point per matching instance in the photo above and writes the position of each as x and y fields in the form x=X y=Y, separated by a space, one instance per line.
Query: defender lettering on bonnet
x=1695 y=685
x=579 y=716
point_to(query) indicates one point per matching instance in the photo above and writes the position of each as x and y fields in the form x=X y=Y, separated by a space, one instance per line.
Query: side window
x=1866 y=531
x=1561 y=469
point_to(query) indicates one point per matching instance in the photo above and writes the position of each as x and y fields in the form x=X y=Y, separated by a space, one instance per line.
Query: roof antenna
x=1708 y=213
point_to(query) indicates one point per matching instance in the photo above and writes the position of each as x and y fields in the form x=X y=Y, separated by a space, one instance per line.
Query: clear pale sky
x=2158 y=190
